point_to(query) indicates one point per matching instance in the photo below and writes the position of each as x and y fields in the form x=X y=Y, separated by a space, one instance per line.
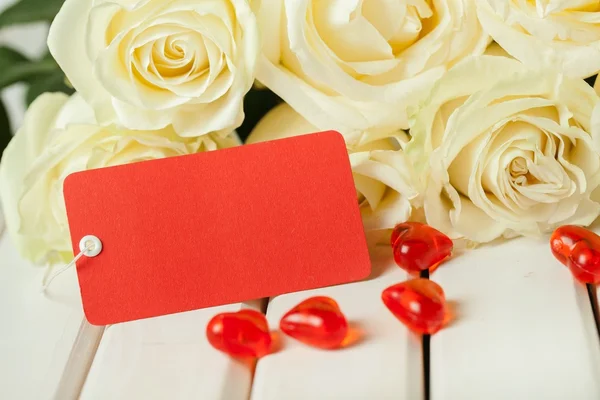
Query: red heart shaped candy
x=418 y=247
x=317 y=321
x=579 y=249
x=419 y=304
x=240 y=334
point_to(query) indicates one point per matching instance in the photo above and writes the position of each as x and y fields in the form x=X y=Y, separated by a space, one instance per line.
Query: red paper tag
x=215 y=228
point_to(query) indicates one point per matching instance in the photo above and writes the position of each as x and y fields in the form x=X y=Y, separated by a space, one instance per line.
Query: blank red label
x=215 y=228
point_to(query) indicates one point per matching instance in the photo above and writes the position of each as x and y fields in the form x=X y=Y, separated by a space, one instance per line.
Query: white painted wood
x=167 y=358
x=79 y=362
x=524 y=329
x=38 y=330
x=386 y=363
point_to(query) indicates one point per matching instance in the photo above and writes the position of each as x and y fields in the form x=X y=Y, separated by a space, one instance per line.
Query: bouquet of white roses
x=472 y=115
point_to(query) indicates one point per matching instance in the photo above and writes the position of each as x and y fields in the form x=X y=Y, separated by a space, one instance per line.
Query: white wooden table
x=523 y=330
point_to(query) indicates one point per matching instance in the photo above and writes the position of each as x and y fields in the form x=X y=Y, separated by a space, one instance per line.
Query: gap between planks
x=264 y=306
x=593 y=296
x=426 y=356
x=79 y=361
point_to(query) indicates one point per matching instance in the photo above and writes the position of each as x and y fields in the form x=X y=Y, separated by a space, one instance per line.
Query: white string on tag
x=89 y=246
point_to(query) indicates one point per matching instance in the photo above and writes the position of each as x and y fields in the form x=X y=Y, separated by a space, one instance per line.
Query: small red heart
x=418 y=247
x=317 y=321
x=579 y=249
x=240 y=334
x=419 y=304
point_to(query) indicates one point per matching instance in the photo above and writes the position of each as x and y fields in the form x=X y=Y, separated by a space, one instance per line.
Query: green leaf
x=591 y=80
x=10 y=57
x=257 y=103
x=15 y=67
x=5 y=132
x=30 y=11
x=53 y=82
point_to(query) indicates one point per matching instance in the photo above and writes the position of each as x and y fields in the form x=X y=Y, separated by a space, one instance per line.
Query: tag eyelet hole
x=90 y=245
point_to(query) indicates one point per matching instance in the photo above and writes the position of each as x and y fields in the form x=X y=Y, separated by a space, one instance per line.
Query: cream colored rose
x=354 y=65
x=147 y=64
x=59 y=136
x=560 y=33
x=382 y=174
x=504 y=150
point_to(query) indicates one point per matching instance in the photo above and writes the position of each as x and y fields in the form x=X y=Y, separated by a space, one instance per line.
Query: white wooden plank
x=524 y=329
x=167 y=357
x=38 y=330
x=386 y=363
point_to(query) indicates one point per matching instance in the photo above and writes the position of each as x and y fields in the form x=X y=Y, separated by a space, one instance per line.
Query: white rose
x=147 y=64
x=560 y=33
x=382 y=174
x=505 y=150
x=59 y=136
x=355 y=65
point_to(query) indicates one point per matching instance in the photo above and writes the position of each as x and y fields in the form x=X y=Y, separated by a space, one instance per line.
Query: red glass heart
x=317 y=321
x=579 y=249
x=419 y=304
x=240 y=334
x=418 y=247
